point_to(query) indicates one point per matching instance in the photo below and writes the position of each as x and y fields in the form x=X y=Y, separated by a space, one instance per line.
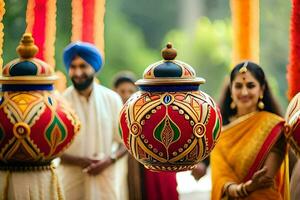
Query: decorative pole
x=88 y=22
x=245 y=22
x=41 y=22
x=293 y=69
x=292 y=114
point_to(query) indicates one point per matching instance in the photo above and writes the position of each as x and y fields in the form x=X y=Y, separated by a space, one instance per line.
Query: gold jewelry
x=226 y=188
x=232 y=105
x=236 y=191
x=244 y=190
x=239 y=190
x=244 y=68
x=261 y=104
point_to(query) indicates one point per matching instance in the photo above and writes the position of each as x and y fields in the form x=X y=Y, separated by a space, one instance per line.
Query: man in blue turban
x=88 y=166
x=86 y=51
x=85 y=54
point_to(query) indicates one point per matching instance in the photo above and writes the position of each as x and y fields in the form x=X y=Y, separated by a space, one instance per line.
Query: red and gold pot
x=36 y=125
x=170 y=125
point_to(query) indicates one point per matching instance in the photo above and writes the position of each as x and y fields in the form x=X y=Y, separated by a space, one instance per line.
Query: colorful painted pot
x=170 y=125
x=36 y=125
x=292 y=127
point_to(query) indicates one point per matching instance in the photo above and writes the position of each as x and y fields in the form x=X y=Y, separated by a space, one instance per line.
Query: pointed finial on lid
x=27 y=49
x=169 y=53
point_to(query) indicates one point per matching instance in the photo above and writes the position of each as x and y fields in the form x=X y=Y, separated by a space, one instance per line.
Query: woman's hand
x=259 y=181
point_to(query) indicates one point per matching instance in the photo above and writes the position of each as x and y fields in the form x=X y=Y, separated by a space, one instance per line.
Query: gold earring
x=261 y=104
x=232 y=105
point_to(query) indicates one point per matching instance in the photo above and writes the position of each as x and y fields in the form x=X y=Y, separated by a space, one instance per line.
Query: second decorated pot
x=170 y=125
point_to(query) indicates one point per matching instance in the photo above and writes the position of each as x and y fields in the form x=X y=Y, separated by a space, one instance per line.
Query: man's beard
x=85 y=84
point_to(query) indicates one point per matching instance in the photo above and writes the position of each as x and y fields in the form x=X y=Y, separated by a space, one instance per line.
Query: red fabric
x=39 y=27
x=160 y=185
x=293 y=69
x=265 y=149
x=88 y=21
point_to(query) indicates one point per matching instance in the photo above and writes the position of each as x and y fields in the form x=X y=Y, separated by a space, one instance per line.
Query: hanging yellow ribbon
x=77 y=11
x=99 y=25
x=245 y=22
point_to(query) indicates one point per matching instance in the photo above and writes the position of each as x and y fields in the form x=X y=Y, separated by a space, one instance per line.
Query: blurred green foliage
x=125 y=46
x=155 y=18
x=63 y=31
x=274 y=44
x=136 y=30
x=207 y=50
x=14 y=27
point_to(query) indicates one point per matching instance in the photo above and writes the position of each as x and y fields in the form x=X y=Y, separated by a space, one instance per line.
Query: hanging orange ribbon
x=88 y=22
x=293 y=69
x=245 y=22
x=41 y=22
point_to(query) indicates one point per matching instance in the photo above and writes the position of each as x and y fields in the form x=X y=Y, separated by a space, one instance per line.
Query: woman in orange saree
x=248 y=161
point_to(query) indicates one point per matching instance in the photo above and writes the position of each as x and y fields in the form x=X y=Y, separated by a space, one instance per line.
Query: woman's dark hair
x=270 y=103
x=124 y=77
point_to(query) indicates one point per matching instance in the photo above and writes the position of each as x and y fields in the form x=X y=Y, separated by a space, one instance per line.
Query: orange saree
x=242 y=149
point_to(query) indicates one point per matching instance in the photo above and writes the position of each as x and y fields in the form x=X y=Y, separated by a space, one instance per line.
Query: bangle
x=239 y=190
x=234 y=191
x=226 y=188
x=244 y=190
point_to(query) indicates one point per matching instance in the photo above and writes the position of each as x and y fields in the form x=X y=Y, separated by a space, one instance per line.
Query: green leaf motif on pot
x=216 y=130
x=167 y=132
x=56 y=133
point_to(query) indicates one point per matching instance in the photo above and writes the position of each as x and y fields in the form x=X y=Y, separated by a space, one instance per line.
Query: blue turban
x=86 y=51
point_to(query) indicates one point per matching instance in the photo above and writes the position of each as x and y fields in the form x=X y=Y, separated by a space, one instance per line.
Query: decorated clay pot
x=170 y=125
x=36 y=125
x=292 y=126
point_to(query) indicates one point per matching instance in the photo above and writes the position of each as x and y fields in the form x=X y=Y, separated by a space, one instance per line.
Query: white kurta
x=97 y=138
x=30 y=185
